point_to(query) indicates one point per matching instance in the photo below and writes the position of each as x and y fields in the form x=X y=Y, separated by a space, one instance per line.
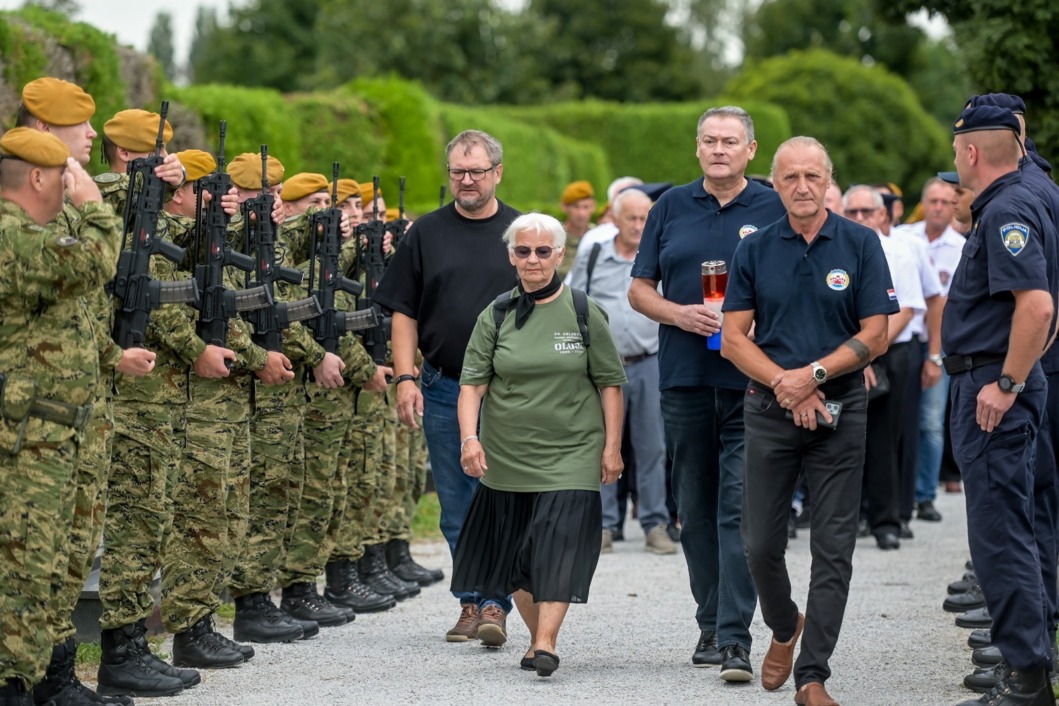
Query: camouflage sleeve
x=174 y=324
x=295 y=232
x=109 y=352
x=300 y=346
x=248 y=355
x=359 y=366
x=115 y=190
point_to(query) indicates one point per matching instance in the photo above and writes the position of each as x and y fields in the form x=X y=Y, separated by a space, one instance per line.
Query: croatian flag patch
x=892 y=294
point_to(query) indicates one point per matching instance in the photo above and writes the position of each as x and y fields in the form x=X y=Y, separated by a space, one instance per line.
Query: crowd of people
x=741 y=356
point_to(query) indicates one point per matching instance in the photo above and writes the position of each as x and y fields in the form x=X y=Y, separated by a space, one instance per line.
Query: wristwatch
x=935 y=359
x=1006 y=383
x=819 y=372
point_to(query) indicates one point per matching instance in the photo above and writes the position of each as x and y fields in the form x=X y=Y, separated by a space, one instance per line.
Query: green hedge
x=338 y=127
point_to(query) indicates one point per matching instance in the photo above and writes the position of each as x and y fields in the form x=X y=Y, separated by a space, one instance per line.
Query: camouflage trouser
x=327 y=420
x=384 y=504
x=196 y=550
x=32 y=526
x=146 y=457
x=410 y=478
x=277 y=453
x=360 y=458
x=89 y=505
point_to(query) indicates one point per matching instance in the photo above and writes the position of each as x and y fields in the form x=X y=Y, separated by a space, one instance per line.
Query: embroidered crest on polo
x=746 y=230
x=1014 y=236
x=838 y=280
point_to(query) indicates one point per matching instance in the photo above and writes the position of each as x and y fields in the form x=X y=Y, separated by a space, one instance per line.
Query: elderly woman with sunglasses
x=550 y=433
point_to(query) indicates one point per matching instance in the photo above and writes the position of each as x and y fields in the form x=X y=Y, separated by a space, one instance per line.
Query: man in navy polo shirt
x=702 y=392
x=997 y=322
x=817 y=290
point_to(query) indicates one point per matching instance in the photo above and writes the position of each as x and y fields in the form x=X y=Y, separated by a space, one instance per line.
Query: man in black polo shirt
x=448 y=268
x=702 y=393
x=817 y=290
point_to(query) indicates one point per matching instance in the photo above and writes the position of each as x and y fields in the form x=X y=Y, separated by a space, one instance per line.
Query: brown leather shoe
x=813 y=694
x=466 y=628
x=492 y=625
x=779 y=660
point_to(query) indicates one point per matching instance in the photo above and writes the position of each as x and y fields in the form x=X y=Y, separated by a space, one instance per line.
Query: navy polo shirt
x=684 y=229
x=1008 y=249
x=1039 y=183
x=809 y=299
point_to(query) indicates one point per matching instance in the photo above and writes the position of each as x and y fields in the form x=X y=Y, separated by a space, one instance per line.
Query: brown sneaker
x=492 y=625
x=466 y=628
x=813 y=694
x=779 y=660
x=657 y=541
x=607 y=545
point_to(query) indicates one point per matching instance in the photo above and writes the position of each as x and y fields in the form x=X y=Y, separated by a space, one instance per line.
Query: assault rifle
x=133 y=286
x=213 y=253
x=325 y=279
x=398 y=227
x=373 y=264
x=259 y=238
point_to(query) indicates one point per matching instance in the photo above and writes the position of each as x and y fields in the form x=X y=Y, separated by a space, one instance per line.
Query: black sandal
x=545 y=663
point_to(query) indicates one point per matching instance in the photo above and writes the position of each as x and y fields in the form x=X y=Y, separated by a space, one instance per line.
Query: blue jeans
x=441 y=428
x=648 y=449
x=932 y=405
x=704 y=436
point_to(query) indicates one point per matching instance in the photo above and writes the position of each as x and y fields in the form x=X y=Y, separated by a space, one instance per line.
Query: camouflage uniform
x=360 y=458
x=46 y=338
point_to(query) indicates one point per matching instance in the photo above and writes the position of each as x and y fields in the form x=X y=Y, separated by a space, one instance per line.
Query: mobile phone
x=833 y=408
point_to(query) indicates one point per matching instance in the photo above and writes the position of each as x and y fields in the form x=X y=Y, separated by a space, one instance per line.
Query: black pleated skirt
x=546 y=544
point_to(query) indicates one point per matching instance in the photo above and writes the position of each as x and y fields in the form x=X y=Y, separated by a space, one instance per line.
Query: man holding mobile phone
x=817 y=289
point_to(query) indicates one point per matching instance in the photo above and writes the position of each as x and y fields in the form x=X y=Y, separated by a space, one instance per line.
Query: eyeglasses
x=523 y=251
x=476 y=174
x=858 y=212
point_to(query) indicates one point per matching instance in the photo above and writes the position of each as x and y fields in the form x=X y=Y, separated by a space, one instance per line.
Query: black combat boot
x=1018 y=688
x=59 y=687
x=202 y=647
x=345 y=588
x=378 y=577
x=301 y=601
x=310 y=628
x=257 y=619
x=13 y=693
x=405 y=567
x=125 y=671
x=189 y=677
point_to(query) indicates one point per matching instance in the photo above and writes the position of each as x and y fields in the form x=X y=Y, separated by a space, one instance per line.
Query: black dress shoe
x=986 y=656
x=982 y=681
x=963 y=602
x=979 y=638
x=887 y=541
x=706 y=652
x=735 y=664
x=969 y=581
x=927 y=512
x=906 y=531
x=978 y=618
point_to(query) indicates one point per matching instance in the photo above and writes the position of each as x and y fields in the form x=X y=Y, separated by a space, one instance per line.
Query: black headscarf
x=526 y=301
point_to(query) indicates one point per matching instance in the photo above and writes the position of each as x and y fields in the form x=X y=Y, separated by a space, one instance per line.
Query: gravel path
x=631 y=643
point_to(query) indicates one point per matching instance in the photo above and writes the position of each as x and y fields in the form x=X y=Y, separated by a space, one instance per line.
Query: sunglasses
x=523 y=251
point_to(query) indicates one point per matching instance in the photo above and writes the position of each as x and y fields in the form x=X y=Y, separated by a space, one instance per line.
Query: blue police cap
x=1000 y=100
x=985 y=117
x=652 y=189
x=950 y=178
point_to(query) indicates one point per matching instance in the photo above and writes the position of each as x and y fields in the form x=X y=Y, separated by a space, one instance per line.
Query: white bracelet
x=464 y=440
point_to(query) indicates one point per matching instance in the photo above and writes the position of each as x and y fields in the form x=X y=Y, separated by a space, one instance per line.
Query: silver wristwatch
x=819 y=372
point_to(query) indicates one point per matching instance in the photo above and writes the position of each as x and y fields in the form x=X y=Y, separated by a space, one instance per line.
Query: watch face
x=820 y=374
x=1005 y=383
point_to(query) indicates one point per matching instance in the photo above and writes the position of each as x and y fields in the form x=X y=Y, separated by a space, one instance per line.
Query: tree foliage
x=160 y=44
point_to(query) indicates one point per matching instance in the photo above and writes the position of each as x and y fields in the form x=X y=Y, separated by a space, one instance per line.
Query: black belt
x=636 y=358
x=962 y=363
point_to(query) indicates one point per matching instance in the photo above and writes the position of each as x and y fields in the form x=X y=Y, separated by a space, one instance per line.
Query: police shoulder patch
x=107 y=177
x=747 y=230
x=65 y=240
x=1014 y=237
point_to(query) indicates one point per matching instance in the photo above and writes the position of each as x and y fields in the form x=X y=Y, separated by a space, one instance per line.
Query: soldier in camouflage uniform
x=50 y=376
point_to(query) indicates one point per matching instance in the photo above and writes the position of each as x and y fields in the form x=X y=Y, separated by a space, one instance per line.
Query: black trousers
x=776 y=453
x=908 y=448
x=882 y=490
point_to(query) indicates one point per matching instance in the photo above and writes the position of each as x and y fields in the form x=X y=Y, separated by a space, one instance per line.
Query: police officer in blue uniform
x=996 y=324
x=818 y=290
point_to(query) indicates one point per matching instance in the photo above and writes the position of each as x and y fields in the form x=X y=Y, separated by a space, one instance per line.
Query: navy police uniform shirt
x=1041 y=185
x=1005 y=251
x=809 y=299
x=687 y=227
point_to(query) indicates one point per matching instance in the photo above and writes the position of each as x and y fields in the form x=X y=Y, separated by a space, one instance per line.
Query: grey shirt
x=634 y=334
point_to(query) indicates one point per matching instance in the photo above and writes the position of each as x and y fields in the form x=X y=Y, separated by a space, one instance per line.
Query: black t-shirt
x=446 y=270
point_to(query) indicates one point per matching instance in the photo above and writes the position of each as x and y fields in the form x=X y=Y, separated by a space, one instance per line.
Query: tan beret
x=41 y=148
x=576 y=191
x=301 y=185
x=136 y=130
x=346 y=188
x=367 y=193
x=58 y=102
x=197 y=163
x=245 y=171
x=392 y=214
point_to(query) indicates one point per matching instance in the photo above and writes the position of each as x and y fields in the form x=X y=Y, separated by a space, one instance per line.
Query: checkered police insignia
x=1014 y=236
x=838 y=280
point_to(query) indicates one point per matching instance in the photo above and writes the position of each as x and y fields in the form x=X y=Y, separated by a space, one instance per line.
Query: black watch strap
x=401 y=378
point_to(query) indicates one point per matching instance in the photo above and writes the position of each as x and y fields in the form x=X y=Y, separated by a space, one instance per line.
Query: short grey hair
x=469 y=139
x=728 y=111
x=620 y=184
x=537 y=223
x=615 y=205
x=934 y=181
x=876 y=195
x=802 y=141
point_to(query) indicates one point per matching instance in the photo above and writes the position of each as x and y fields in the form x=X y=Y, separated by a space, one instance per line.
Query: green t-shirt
x=542 y=417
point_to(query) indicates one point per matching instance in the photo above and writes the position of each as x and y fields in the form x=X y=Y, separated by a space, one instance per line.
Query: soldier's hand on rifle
x=277 y=370
x=380 y=380
x=346 y=228
x=387 y=243
x=135 y=362
x=279 y=213
x=211 y=364
x=230 y=202
x=329 y=372
x=80 y=188
x=171 y=171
